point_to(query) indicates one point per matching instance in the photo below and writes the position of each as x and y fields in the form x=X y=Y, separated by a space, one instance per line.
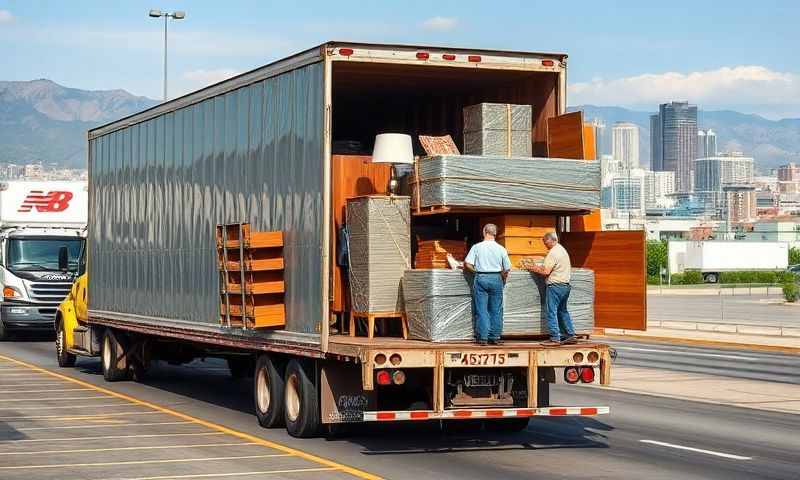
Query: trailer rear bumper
x=482 y=413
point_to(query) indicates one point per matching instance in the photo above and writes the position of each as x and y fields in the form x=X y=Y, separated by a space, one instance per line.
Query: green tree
x=656 y=257
x=794 y=256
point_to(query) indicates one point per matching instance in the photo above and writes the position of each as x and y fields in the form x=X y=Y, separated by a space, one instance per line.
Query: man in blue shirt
x=489 y=261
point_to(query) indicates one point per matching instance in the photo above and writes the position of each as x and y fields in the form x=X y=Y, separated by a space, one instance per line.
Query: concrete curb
x=731 y=328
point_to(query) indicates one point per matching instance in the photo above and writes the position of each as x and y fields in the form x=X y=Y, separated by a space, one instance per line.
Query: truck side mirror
x=63 y=259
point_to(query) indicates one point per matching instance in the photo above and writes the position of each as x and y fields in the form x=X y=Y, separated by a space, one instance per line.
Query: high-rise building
x=600 y=144
x=625 y=143
x=628 y=191
x=713 y=174
x=658 y=188
x=674 y=141
x=706 y=143
x=740 y=204
x=789 y=173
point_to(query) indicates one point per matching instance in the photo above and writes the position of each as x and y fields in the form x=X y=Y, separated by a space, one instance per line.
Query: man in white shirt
x=490 y=263
x=557 y=270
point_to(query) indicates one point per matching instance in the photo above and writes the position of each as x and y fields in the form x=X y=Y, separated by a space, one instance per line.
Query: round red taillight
x=383 y=377
x=571 y=375
x=587 y=375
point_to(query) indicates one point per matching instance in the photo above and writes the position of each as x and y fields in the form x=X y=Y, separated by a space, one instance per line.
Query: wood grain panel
x=565 y=136
x=353 y=176
x=618 y=261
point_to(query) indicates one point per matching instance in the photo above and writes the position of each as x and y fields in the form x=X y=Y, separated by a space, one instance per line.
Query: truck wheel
x=112 y=353
x=65 y=359
x=302 y=400
x=268 y=390
x=711 y=278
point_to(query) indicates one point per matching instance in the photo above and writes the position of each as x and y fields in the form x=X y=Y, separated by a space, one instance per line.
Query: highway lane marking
x=47 y=391
x=113 y=437
x=50 y=399
x=144 y=462
x=30 y=429
x=61 y=407
x=116 y=449
x=214 y=426
x=697 y=450
x=31 y=384
x=79 y=417
x=690 y=354
x=237 y=474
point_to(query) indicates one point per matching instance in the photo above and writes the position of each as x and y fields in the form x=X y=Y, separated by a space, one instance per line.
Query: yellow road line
x=79 y=417
x=49 y=399
x=237 y=474
x=142 y=462
x=214 y=426
x=30 y=429
x=112 y=437
x=116 y=449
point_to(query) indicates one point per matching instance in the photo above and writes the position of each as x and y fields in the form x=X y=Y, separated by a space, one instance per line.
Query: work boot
x=481 y=342
x=495 y=341
x=551 y=343
x=571 y=340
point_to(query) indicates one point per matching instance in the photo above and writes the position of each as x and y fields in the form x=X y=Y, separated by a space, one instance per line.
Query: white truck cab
x=42 y=235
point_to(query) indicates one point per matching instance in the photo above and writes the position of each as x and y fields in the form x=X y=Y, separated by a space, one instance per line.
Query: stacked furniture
x=433 y=253
x=498 y=129
x=521 y=235
x=251 y=272
x=379 y=253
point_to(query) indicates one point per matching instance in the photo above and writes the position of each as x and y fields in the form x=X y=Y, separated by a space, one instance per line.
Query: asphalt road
x=737 y=309
x=726 y=362
x=644 y=437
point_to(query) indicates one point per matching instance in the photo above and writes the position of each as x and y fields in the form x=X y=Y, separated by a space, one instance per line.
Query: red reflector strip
x=345 y=52
x=548 y=63
x=527 y=412
x=402 y=415
x=418 y=415
x=474 y=58
x=558 y=411
x=448 y=56
x=386 y=416
x=462 y=413
x=588 y=411
x=494 y=413
x=423 y=55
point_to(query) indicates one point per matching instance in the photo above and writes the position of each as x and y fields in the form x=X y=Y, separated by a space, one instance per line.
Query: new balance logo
x=46 y=202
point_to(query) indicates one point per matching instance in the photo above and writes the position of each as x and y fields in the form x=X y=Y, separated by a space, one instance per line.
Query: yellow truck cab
x=71 y=314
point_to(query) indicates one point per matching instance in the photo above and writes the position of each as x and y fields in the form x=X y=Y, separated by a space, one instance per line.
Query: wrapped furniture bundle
x=507 y=183
x=380 y=251
x=498 y=129
x=439 y=304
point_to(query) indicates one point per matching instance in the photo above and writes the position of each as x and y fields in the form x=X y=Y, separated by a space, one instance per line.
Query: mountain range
x=42 y=121
x=770 y=142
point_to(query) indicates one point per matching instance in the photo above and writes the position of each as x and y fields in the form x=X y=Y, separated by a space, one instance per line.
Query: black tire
x=711 y=278
x=508 y=425
x=301 y=400
x=65 y=359
x=113 y=359
x=268 y=392
x=240 y=367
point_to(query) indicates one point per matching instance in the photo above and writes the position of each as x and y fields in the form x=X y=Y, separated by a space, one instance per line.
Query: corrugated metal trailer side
x=247 y=150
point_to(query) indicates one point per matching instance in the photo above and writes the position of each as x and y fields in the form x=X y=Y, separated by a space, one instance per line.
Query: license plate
x=487 y=359
x=480 y=380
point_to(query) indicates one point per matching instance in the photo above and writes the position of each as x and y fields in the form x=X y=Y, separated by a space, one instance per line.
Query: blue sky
x=734 y=54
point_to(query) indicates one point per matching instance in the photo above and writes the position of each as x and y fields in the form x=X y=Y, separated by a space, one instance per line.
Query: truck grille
x=49 y=292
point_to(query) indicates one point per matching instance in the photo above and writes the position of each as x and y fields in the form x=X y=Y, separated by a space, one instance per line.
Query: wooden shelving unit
x=251 y=269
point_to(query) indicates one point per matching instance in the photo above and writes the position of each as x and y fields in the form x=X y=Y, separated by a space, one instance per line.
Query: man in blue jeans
x=489 y=261
x=557 y=269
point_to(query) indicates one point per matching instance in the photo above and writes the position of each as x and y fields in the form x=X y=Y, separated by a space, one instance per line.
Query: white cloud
x=440 y=24
x=195 y=79
x=750 y=88
x=6 y=16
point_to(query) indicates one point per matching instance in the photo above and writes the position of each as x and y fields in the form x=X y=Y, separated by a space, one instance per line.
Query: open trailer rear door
x=618 y=260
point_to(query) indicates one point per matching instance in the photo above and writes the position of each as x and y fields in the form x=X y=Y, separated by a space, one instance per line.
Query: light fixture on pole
x=393 y=148
x=179 y=15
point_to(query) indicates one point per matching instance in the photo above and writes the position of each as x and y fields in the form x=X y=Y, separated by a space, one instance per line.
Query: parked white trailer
x=715 y=256
x=38 y=220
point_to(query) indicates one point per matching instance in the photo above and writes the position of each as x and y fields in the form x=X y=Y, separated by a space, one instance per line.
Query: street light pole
x=178 y=15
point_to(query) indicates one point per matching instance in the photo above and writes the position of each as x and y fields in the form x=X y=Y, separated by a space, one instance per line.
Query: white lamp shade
x=393 y=148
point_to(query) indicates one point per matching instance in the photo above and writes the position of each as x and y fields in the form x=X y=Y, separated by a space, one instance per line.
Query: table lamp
x=395 y=149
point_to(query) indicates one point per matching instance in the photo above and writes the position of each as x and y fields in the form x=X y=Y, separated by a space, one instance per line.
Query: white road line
x=62 y=407
x=53 y=398
x=79 y=417
x=112 y=437
x=116 y=449
x=142 y=462
x=698 y=450
x=691 y=354
x=236 y=474
x=46 y=391
x=31 y=384
x=102 y=426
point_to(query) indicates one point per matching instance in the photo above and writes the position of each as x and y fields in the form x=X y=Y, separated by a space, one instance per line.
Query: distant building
x=609 y=167
x=781 y=229
x=659 y=186
x=600 y=142
x=740 y=204
x=713 y=174
x=789 y=173
x=34 y=170
x=706 y=143
x=625 y=144
x=628 y=192
x=673 y=141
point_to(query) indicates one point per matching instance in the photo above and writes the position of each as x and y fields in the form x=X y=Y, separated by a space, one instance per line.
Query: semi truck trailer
x=281 y=149
x=711 y=258
x=42 y=229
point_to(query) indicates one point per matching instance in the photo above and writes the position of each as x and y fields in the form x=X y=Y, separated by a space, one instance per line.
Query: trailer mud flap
x=343 y=400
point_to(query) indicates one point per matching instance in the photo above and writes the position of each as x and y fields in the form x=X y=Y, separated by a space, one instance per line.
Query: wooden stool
x=371 y=316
